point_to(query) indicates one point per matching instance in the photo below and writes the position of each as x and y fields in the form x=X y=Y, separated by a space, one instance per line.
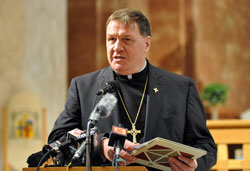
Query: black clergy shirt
x=131 y=90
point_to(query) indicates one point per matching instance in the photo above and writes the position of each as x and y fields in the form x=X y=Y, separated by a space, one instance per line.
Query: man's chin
x=120 y=70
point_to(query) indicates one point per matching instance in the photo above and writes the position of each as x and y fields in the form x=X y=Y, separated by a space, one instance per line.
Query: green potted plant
x=214 y=94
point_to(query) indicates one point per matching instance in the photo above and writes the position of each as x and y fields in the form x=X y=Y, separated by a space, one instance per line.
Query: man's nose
x=118 y=45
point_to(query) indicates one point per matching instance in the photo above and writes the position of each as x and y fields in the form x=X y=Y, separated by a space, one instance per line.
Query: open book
x=156 y=152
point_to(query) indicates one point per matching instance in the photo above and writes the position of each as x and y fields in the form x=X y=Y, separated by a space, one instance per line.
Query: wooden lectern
x=107 y=168
x=229 y=132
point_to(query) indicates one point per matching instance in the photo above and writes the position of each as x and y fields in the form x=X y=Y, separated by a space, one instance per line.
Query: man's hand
x=108 y=152
x=182 y=163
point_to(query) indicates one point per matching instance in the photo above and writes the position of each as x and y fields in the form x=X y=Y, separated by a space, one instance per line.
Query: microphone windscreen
x=106 y=104
x=103 y=107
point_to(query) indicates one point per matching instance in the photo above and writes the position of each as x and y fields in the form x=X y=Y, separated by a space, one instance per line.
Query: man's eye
x=111 y=39
x=127 y=40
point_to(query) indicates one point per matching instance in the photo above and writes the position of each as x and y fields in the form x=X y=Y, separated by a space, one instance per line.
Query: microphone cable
x=69 y=166
x=40 y=162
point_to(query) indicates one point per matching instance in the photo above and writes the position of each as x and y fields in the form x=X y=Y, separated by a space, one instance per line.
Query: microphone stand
x=116 y=159
x=88 y=147
x=117 y=140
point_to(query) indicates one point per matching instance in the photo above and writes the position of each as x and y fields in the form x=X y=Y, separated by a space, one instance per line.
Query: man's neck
x=134 y=72
x=130 y=76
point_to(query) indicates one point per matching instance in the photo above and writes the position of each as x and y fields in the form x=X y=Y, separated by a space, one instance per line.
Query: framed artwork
x=24 y=129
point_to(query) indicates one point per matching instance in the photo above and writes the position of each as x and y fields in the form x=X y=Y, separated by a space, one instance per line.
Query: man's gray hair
x=128 y=16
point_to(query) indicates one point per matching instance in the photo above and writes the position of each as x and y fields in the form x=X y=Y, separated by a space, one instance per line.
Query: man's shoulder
x=95 y=74
x=172 y=81
x=170 y=76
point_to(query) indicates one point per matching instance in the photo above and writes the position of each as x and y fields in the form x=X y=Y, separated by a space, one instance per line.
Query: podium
x=99 y=168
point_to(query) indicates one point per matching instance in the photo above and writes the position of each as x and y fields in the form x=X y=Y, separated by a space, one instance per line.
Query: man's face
x=126 y=47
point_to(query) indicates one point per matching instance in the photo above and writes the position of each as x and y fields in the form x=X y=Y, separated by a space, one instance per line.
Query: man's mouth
x=119 y=57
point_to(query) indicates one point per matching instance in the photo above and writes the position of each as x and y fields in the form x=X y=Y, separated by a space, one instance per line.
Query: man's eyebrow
x=123 y=35
x=111 y=34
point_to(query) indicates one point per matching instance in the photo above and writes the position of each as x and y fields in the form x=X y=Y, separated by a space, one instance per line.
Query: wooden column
x=81 y=37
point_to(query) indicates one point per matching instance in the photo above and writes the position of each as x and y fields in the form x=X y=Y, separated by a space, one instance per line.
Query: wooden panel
x=231 y=136
x=81 y=37
x=109 y=168
x=246 y=149
x=227 y=132
x=246 y=153
x=222 y=152
x=169 y=34
x=234 y=164
x=231 y=123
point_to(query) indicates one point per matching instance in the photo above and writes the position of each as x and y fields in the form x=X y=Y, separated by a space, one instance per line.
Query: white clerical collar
x=130 y=76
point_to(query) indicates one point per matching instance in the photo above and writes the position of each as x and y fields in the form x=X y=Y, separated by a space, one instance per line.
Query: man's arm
x=70 y=118
x=196 y=131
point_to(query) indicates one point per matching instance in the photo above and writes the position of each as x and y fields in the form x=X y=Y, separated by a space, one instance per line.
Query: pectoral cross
x=134 y=132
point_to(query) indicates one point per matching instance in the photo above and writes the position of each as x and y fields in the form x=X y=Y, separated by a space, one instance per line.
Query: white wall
x=33 y=53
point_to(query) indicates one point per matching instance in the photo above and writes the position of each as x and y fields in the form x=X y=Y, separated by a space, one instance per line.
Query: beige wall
x=33 y=53
x=207 y=40
x=222 y=53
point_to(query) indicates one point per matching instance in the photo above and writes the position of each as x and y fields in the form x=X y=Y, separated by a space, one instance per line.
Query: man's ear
x=148 y=44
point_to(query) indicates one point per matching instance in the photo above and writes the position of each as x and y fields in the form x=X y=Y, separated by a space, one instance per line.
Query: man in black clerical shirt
x=131 y=92
x=152 y=102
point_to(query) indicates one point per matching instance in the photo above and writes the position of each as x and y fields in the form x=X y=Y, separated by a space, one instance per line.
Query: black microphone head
x=34 y=159
x=114 y=84
x=117 y=134
x=110 y=87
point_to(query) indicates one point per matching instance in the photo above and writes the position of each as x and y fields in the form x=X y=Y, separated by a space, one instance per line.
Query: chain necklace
x=134 y=131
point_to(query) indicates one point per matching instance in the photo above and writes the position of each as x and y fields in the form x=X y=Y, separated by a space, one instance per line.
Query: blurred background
x=44 y=44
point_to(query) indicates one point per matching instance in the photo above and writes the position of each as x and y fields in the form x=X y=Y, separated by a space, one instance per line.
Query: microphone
x=57 y=146
x=75 y=133
x=117 y=140
x=110 y=87
x=38 y=158
x=52 y=149
x=82 y=137
x=79 y=151
x=60 y=150
x=103 y=108
x=82 y=147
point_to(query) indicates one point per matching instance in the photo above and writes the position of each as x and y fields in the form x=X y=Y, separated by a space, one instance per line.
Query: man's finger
x=190 y=162
x=128 y=157
x=129 y=146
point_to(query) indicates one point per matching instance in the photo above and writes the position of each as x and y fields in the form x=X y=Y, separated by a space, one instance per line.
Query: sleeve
x=196 y=132
x=70 y=118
